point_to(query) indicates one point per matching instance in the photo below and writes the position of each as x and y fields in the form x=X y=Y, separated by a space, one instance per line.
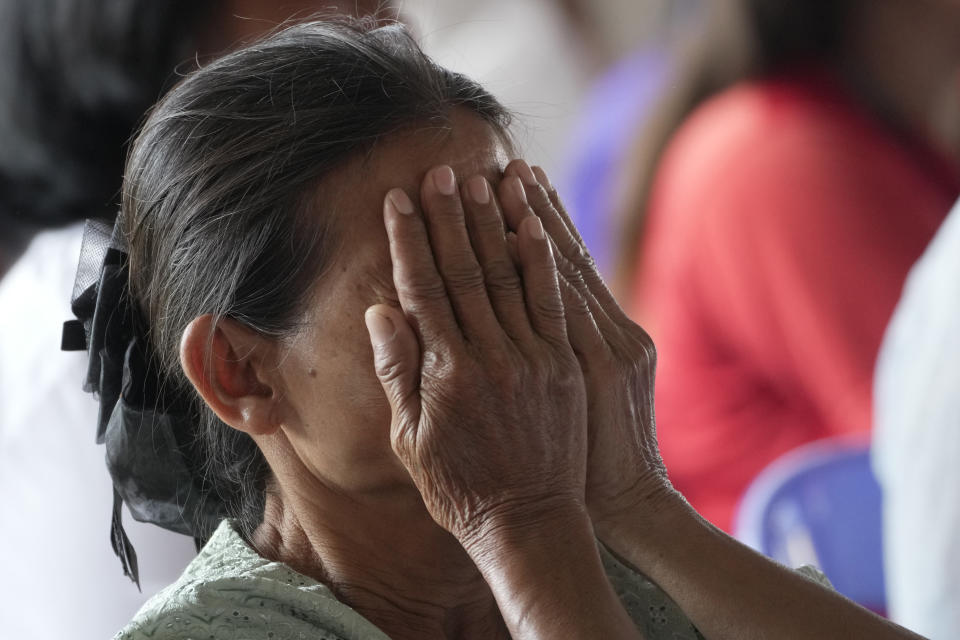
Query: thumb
x=396 y=358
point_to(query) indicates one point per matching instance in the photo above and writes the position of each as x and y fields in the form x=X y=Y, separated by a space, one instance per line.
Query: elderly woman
x=456 y=488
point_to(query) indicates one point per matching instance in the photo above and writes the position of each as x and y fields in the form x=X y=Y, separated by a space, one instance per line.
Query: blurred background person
x=547 y=60
x=916 y=442
x=76 y=77
x=802 y=160
x=615 y=110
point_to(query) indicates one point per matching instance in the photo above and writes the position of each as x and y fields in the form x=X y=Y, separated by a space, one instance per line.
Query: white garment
x=58 y=566
x=230 y=591
x=916 y=451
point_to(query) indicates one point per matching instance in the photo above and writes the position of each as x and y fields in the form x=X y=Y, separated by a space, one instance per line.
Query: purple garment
x=616 y=107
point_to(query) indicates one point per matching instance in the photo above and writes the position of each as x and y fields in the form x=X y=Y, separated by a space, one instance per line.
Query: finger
x=544 y=181
x=396 y=359
x=540 y=282
x=455 y=257
x=539 y=201
x=584 y=261
x=572 y=258
x=584 y=335
x=504 y=289
x=573 y=276
x=420 y=289
x=513 y=249
x=513 y=202
x=544 y=202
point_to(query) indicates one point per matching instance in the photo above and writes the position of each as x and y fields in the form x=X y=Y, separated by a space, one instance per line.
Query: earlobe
x=226 y=362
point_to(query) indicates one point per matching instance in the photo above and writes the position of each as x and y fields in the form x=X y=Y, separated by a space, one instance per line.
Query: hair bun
x=145 y=424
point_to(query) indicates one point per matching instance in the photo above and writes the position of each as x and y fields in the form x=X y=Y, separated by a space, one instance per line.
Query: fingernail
x=526 y=174
x=542 y=177
x=477 y=187
x=537 y=230
x=517 y=187
x=444 y=180
x=380 y=327
x=400 y=201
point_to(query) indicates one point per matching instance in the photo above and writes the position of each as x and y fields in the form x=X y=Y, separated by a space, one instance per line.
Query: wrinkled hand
x=487 y=397
x=625 y=471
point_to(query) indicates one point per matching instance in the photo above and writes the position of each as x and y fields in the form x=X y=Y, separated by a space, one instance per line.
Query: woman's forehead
x=355 y=193
x=468 y=144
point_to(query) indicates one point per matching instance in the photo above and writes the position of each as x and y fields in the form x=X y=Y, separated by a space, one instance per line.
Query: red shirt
x=783 y=221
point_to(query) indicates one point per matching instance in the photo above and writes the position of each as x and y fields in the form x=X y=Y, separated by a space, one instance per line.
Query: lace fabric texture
x=229 y=591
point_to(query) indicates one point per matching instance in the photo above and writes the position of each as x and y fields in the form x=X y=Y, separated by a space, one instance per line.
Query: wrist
x=516 y=532
x=647 y=527
x=543 y=567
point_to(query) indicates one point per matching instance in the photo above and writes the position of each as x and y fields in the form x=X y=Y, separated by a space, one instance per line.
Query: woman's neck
x=384 y=556
x=906 y=59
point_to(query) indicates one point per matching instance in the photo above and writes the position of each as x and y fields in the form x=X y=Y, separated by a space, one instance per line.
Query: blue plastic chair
x=820 y=505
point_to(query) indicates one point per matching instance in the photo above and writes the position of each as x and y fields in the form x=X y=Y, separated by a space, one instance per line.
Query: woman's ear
x=226 y=362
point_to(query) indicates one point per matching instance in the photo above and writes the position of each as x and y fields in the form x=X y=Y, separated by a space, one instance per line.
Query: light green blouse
x=230 y=592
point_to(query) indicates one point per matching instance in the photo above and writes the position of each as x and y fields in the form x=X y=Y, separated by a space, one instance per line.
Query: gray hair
x=218 y=210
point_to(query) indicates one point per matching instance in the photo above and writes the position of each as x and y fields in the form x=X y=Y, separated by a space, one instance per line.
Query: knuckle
x=572 y=274
x=566 y=375
x=447 y=209
x=547 y=308
x=566 y=267
x=422 y=288
x=573 y=253
x=644 y=351
x=588 y=265
x=486 y=222
x=577 y=304
x=577 y=254
x=558 y=204
x=540 y=199
x=504 y=290
x=649 y=349
x=502 y=280
x=402 y=441
x=387 y=368
x=462 y=276
x=506 y=370
x=578 y=289
x=439 y=364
